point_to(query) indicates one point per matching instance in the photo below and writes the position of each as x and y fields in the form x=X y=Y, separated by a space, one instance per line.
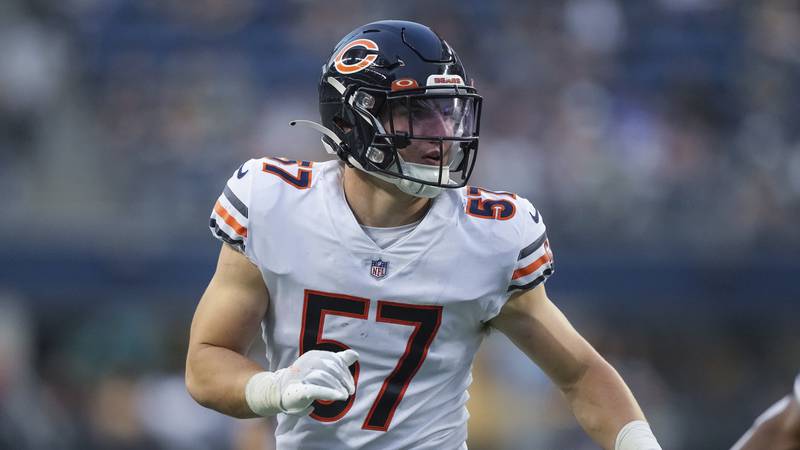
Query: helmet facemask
x=417 y=138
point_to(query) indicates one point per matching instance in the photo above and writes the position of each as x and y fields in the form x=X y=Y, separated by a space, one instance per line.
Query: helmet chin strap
x=420 y=171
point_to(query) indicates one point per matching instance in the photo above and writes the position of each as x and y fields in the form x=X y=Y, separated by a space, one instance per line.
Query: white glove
x=315 y=375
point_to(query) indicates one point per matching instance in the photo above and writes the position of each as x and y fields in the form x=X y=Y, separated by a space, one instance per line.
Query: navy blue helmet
x=395 y=85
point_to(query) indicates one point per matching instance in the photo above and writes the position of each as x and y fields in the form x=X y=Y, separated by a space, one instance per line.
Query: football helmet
x=394 y=102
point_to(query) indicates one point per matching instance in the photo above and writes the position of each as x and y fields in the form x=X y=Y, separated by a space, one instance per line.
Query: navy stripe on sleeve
x=241 y=207
x=235 y=243
x=532 y=248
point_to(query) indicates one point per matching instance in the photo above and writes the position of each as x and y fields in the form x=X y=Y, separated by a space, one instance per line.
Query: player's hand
x=316 y=375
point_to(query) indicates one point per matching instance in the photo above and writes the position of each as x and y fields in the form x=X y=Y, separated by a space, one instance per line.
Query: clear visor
x=431 y=117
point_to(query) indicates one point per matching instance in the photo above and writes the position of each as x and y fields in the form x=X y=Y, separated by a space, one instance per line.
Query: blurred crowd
x=663 y=125
x=668 y=121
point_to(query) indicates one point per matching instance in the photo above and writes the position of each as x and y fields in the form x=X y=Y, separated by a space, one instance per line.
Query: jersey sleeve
x=535 y=259
x=528 y=262
x=230 y=216
x=797 y=388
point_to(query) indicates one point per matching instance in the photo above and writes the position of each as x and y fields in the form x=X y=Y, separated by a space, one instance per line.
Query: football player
x=778 y=428
x=375 y=276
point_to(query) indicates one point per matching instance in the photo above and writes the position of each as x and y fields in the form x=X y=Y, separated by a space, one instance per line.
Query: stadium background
x=659 y=139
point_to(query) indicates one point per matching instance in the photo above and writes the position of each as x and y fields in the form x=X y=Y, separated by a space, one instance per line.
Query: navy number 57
x=424 y=319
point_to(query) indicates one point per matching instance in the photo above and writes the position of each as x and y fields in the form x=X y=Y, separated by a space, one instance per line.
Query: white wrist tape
x=263 y=394
x=636 y=435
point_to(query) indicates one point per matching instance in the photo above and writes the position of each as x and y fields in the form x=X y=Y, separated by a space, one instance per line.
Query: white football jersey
x=415 y=311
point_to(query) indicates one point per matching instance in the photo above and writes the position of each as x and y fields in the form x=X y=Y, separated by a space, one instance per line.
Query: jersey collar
x=437 y=220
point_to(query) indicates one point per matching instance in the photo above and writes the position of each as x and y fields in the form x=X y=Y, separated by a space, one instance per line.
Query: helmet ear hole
x=342 y=124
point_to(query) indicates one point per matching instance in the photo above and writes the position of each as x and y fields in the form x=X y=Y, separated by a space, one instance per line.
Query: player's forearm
x=216 y=378
x=602 y=402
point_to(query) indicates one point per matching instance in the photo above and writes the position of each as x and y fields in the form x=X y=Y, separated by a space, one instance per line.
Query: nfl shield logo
x=378 y=269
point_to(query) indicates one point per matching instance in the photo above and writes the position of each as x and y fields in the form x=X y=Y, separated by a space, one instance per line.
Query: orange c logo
x=361 y=64
x=404 y=83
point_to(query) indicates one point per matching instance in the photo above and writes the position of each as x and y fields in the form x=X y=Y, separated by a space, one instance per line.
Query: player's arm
x=597 y=395
x=777 y=428
x=224 y=325
x=219 y=375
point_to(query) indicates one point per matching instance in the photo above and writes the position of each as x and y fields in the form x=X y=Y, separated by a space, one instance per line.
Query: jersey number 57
x=424 y=319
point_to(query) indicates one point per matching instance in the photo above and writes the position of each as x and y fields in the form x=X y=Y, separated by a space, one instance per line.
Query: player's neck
x=376 y=203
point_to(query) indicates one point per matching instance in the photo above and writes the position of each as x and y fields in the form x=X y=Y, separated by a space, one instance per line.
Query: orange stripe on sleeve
x=230 y=220
x=533 y=267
